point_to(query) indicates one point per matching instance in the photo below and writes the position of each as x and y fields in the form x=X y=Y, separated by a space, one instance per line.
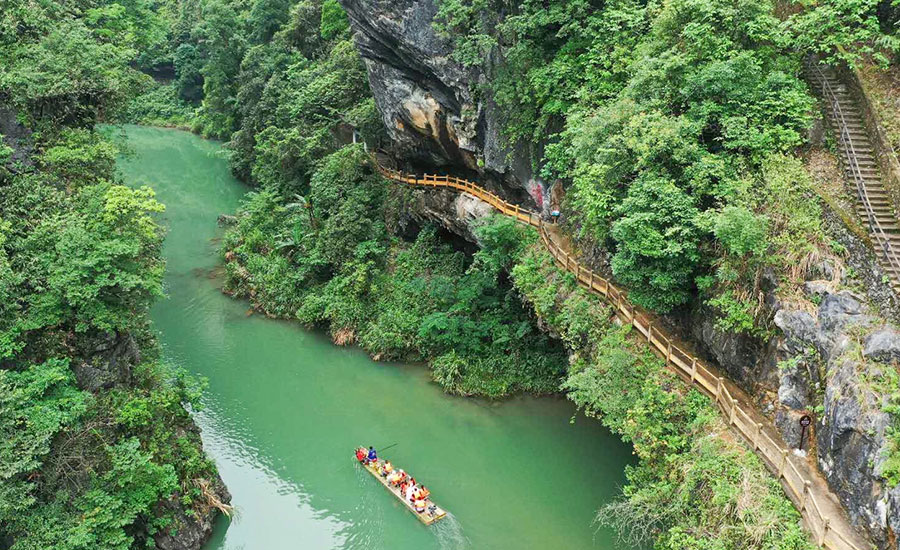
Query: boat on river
x=432 y=512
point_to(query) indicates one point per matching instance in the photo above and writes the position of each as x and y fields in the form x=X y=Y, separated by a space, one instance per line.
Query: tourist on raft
x=361 y=454
x=373 y=456
x=387 y=468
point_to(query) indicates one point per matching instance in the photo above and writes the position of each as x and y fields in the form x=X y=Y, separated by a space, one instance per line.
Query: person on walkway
x=373 y=456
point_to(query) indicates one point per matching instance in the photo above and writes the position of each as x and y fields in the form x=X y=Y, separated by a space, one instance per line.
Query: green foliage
x=690 y=489
x=36 y=404
x=79 y=268
x=327 y=259
x=62 y=69
x=78 y=155
x=658 y=244
x=735 y=314
x=334 y=20
x=665 y=109
x=840 y=30
x=160 y=105
x=741 y=231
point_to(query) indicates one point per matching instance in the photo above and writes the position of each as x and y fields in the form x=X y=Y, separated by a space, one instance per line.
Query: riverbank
x=284 y=407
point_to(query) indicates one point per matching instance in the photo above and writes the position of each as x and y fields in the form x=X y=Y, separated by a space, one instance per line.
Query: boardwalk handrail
x=853 y=167
x=776 y=456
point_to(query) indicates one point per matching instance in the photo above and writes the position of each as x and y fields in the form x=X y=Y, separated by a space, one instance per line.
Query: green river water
x=285 y=408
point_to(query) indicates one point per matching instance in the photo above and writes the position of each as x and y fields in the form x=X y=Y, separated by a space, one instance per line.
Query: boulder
x=841 y=309
x=883 y=345
x=190 y=527
x=799 y=330
x=816 y=289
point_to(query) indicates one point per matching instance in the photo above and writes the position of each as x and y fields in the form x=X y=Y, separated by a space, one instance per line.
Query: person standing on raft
x=373 y=456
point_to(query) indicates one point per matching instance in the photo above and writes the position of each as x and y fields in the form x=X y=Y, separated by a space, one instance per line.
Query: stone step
x=887 y=221
x=861 y=156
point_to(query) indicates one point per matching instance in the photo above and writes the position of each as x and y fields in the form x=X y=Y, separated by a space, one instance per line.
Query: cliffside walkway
x=860 y=162
x=822 y=513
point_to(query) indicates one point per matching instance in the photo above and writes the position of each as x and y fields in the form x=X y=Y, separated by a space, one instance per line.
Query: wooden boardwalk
x=822 y=513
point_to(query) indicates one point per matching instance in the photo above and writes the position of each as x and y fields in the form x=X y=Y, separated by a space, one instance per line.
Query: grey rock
x=883 y=345
x=458 y=213
x=799 y=329
x=818 y=289
x=16 y=136
x=788 y=423
x=824 y=270
x=428 y=101
x=189 y=531
x=850 y=437
x=794 y=391
x=225 y=220
x=108 y=361
x=768 y=280
x=841 y=309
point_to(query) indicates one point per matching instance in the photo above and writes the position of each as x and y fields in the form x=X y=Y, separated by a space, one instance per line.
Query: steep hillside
x=96 y=445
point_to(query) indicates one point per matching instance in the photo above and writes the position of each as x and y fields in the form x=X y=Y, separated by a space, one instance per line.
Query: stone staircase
x=861 y=169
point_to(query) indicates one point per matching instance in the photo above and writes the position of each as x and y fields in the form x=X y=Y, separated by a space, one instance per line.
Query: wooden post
x=649 y=327
x=758 y=433
x=784 y=459
x=804 y=495
x=825 y=522
x=718 y=384
x=591 y=281
x=669 y=352
x=733 y=407
x=694 y=371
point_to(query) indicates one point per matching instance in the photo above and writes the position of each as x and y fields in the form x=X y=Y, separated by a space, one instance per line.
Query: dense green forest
x=95 y=434
x=679 y=122
x=677 y=125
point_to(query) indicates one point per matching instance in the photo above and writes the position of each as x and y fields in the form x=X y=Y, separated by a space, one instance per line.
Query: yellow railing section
x=833 y=533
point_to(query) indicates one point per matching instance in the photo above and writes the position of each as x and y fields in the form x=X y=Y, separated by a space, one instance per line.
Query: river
x=284 y=409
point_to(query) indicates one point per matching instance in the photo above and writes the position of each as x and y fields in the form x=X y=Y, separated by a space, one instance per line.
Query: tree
x=657 y=244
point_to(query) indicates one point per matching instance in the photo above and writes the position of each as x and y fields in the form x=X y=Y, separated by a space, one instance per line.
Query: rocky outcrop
x=15 y=136
x=191 y=527
x=108 y=359
x=458 y=213
x=746 y=359
x=831 y=357
x=427 y=99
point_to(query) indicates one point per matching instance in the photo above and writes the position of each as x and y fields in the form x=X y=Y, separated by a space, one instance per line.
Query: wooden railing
x=852 y=159
x=764 y=440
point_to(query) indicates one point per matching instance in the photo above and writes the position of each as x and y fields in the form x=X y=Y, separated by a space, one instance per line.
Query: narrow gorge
x=197 y=330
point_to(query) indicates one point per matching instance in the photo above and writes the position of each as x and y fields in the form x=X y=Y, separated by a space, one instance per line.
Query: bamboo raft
x=427 y=517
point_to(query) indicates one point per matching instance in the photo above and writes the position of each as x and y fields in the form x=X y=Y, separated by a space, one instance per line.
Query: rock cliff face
x=840 y=357
x=821 y=361
x=426 y=98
